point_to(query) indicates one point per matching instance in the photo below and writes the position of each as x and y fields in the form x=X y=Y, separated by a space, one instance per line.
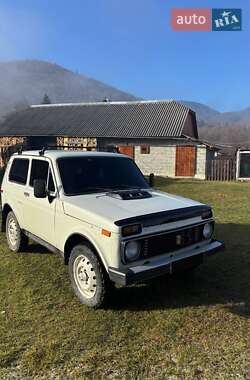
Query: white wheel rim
x=12 y=231
x=85 y=276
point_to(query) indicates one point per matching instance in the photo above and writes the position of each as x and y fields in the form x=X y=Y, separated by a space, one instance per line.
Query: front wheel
x=16 y=239
x=88 y=277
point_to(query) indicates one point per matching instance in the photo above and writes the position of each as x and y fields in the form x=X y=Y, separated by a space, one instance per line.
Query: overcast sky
x=129 y=44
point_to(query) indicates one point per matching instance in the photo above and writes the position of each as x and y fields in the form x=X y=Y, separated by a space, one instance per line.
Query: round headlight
x=132 y=250
x=208 y=230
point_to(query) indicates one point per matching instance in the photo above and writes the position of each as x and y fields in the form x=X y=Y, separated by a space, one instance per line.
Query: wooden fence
x=221 y=170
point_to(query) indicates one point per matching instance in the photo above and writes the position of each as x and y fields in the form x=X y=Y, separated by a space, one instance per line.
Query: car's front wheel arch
x=76 y=239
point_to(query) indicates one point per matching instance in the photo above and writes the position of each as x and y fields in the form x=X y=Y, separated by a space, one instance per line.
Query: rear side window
x=39 y=170
x=19 y=171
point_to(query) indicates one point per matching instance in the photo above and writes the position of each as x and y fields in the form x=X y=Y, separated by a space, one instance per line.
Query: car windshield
x=81 y=175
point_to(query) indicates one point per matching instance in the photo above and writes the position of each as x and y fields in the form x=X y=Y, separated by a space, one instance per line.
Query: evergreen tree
x=46 y=99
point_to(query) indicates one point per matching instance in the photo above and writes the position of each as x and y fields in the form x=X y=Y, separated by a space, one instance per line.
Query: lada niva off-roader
x=99 y=212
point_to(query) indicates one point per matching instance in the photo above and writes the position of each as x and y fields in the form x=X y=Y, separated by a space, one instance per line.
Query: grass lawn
x=196 y=327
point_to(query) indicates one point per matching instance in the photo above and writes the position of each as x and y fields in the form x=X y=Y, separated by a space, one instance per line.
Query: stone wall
x=160 y=160
x=201 y=157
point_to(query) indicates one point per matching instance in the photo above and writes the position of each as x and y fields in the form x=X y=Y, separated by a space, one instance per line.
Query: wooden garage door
x=185 y=161
x=128 y=150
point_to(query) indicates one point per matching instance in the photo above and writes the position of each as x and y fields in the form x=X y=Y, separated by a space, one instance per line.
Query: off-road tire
x=16 y=239
x=92 y=271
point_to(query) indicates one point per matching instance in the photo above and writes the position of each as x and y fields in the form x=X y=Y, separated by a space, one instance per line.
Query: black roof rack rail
x=58 y=147
x=20 y=150
x=109 y=148
x=42 y=150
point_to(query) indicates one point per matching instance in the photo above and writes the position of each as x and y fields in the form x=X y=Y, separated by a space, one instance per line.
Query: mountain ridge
x=208 y=116
x=25 y=82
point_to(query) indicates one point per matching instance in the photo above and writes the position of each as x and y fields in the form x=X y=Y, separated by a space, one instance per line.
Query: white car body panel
x=87 y=215
x=107 y=210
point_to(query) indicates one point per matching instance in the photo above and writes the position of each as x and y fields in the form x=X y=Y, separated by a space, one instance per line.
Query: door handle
x=26 y=194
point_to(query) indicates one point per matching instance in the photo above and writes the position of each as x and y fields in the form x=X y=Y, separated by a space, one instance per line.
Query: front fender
x=107 y=248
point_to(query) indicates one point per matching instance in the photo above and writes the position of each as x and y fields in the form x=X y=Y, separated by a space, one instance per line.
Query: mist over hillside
x=25 y=82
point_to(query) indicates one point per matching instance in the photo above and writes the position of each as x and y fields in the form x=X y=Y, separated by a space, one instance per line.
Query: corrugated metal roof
x=112 y=119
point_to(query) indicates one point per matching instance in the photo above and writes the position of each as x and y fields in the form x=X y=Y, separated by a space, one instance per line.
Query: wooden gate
x=185 y=161
x=221 y=170
x=126 y=149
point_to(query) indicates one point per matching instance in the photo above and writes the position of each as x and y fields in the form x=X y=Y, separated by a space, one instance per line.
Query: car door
x=40 y=212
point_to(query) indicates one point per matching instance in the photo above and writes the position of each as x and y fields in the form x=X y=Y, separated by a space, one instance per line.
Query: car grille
x=171 y=241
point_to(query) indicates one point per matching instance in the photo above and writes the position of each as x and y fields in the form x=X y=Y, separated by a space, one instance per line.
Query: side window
x=145 y=149
x=51 y=185
x=19 y=171
x=39 y=170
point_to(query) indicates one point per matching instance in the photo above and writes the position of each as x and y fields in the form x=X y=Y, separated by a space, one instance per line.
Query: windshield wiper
x=95 y=189
x=125 y=187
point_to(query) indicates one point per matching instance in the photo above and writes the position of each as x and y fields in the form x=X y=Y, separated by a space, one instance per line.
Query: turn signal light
x=106 y=232
x=207 y=214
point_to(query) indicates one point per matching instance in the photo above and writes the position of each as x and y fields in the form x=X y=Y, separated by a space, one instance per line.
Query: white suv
x=97 y=210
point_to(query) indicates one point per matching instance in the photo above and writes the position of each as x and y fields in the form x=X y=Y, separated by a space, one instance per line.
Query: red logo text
x=191 y=19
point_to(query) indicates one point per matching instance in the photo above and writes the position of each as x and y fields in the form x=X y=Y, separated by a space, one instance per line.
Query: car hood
x=104 y=210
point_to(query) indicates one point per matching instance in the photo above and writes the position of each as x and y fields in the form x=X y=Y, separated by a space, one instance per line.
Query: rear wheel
x=88 y=278
x=16 y=239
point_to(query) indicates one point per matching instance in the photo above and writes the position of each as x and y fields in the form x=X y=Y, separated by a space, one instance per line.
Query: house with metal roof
x=161 y=136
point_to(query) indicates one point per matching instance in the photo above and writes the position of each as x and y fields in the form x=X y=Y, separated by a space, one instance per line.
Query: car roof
x=54 y=154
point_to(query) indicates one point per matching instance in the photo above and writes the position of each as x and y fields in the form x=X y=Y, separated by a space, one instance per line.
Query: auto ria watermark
x=206 y=19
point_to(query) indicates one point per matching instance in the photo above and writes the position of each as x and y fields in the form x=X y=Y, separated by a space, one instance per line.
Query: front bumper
x=168 y=266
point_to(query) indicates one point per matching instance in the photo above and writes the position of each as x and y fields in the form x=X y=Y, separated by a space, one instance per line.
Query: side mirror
x=40 y=190
x=151 y=180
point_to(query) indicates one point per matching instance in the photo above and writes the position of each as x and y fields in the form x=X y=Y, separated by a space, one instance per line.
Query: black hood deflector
x=165 y=216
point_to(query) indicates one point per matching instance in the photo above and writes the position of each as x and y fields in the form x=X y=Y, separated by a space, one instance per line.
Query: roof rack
x=59 y=147
x=42 y=150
